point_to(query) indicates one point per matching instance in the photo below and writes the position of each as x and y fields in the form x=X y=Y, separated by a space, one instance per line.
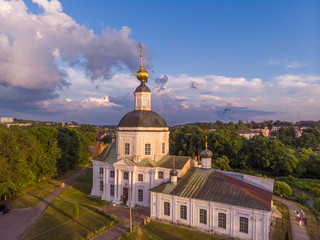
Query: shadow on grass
x=56 y=185
x=159 y=232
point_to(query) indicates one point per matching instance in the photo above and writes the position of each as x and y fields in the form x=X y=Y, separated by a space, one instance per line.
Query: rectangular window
x=140 y=177
x=183 y=212
x=101 y=170
x=203 y=216
x=163 y=147
x=126 y=175
x=112 y=173
x=101 y=186
x=244 y=225
x=140 y=195
x=112 y=190
x=160 y=174
x=222 y=220
x=147 y=149
x=127 y=148
x=166 y=208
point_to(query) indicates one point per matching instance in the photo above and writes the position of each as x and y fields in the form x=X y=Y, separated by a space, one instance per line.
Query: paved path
x=17 y=222
x=122 y=213
x=298 y=232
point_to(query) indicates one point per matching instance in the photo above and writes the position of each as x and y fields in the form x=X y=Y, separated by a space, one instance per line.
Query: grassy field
x=279 y=231
x=158 y=231
x=311 y=186
x=57 y=222
x=30 y=196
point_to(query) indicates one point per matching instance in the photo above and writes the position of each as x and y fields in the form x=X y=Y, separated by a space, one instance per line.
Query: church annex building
x=175 y=188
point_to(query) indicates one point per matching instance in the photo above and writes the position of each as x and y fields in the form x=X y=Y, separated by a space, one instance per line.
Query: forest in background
x=284 y=155
x=33 y=154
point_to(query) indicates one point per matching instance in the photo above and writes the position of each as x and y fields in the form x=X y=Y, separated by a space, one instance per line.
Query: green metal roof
x=216 y=186
x=109 y=155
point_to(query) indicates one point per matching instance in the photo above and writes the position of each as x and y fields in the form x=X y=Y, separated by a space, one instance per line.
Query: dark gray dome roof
x=173 y=172
x=206 y=153
x=142 y=88
x=140 y=118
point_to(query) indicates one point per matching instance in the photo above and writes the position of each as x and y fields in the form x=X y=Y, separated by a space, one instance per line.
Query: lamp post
x=318 y=218
x=282 y=210
x=130 y=210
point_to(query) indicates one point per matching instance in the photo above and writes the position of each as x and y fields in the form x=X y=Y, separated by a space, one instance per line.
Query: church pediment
x=123 y=164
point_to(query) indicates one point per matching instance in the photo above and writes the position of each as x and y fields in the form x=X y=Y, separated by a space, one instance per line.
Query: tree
x=313 y=166
x=50 y=152
x=282 y=188
x=316 y=204
x=222 y=163
x=85 y=136
x=75 y=212
x=301 y=198
x=69 y=146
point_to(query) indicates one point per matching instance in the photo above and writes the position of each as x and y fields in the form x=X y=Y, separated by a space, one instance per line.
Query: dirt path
x=18 y=221
x=298 y=232
x=122 y=213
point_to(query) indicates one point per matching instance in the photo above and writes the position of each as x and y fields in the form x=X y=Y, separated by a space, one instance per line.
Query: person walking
x=294 y=211
x=298 y=216
x=300 y=221
x=305 y=221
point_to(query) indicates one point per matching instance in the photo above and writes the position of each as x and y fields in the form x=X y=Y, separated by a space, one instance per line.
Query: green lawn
x=158 y=231
x=30 y=196
x=309 y=185
x=279 y=231
x=57 y=223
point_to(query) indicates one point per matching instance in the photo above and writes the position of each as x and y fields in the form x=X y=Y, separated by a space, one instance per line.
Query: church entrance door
x=125 y=195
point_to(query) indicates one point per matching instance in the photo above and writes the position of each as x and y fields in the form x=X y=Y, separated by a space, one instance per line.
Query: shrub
x=301 y=198
x=316 y=190
x=282 y=188
x=75 y=212
x=287 y=236
x=316 y=203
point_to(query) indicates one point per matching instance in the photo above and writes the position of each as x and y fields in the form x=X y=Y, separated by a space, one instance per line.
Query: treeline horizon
x=32 y=154
x=284 y=156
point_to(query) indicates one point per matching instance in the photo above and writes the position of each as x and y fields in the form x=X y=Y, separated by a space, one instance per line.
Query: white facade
x=204 y=215
x=110 y=183
x=131 y=143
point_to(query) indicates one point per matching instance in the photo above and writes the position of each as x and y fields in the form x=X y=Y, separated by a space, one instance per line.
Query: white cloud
x=299 y=81
x=31 y=43
x=295 y=65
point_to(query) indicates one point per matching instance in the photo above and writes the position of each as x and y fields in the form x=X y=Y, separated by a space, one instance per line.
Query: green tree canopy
x=221 y=163
x=282 y=188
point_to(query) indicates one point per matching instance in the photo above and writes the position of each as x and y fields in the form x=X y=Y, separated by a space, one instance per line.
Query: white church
x=175 y=188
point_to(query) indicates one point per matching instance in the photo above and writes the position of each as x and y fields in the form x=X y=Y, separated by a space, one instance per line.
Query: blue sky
x=258 y=58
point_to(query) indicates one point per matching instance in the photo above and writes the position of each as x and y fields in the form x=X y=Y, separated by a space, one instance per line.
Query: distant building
x=97 y=148
x=6 y=120
x=248 y=134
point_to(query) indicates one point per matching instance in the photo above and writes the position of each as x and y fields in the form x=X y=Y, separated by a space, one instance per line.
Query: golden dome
x=142 y=74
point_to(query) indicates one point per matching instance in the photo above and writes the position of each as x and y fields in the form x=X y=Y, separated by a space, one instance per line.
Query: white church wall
x=258 y=220
x=137 y=141
x=97 y=177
